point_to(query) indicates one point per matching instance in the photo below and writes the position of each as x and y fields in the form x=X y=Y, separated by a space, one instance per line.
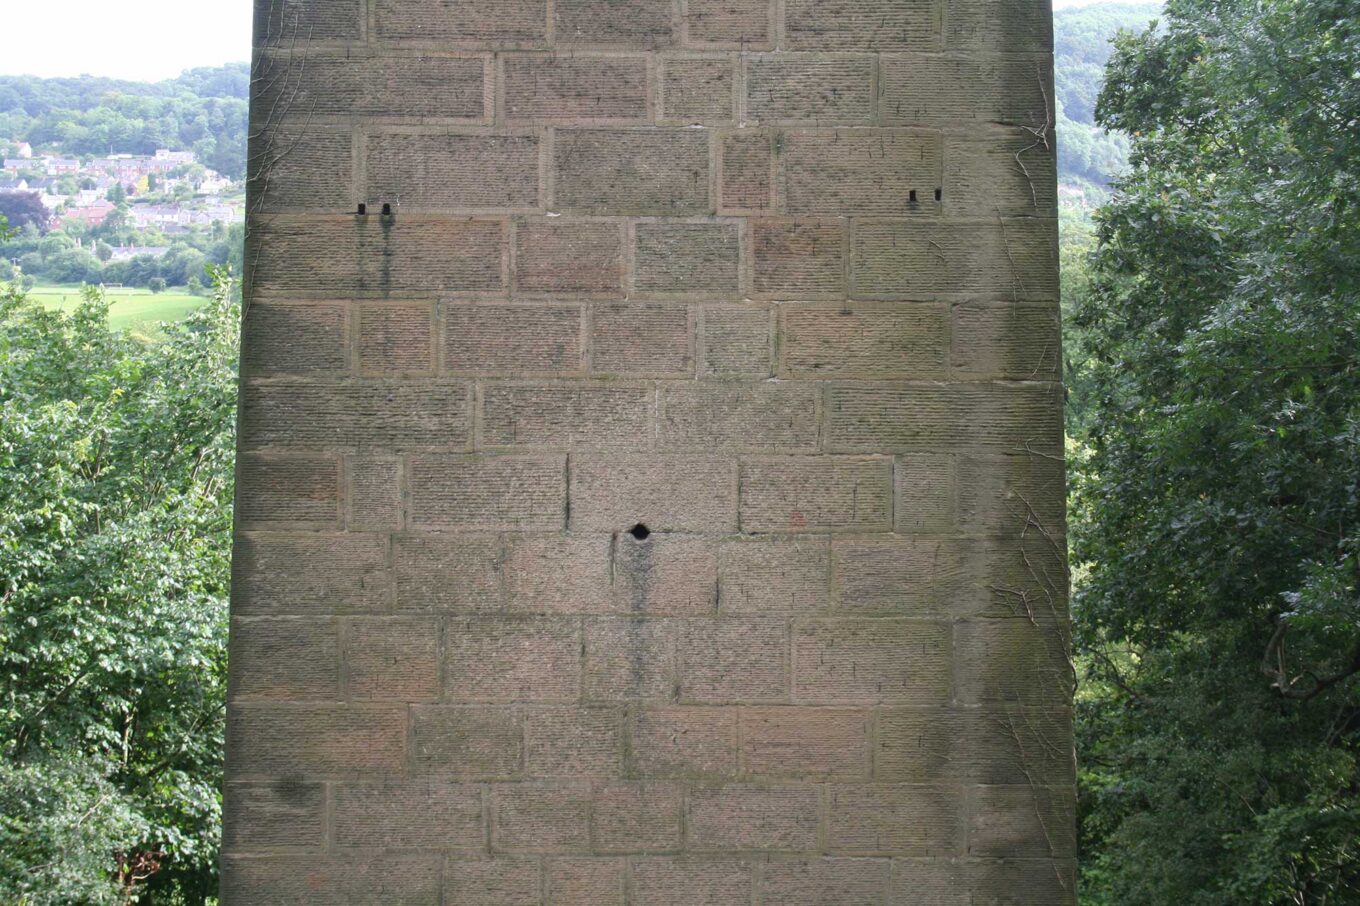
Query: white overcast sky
x=137 y=39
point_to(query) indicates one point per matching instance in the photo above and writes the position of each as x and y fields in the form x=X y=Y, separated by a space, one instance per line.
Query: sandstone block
x=513 y=339
x=691 y=882
x=1009 y=341
x=1022 y=820
x=420 y=814
x=295 y=339
x=466 y=743
x=809 y=88
x=373 y=493
x=861 y=171
x=798 y=259
x=585 y=882
x=498 y=881
x=367 y=415
x=303 y=169
x=529 y=818
x=732 y=416
x=816 y=494
x=629 y=659
x=733 y=660
x=444 y=172
x=574 y=742
x=488 y=492
x=665 y=493
x=315 y=741
x=873 y=343
x=689 y=258
x=805 y=742
x=636 y=818
x=896 y=819
x=698 y=90
x=810 y=882
x=657 y=171
x=396 y=339
x=614 y=23
x=861 y=25
x=574 y=416
x=573 y=88
x=902 y=259
x=512 y=660
x=642 y=338
x=310 y=574
x=923 y=417
x=375 y=256
x=775 y=576
x=392 y=659
x=322 y=84
x=1012 y=172
x=665 y=574
x=740 y=818
x=502 y=25
x=958 y=89
x=398 y=880
x=274 y=815
x=746 y=172
x=559 y=574
x=733 y=24
x=283 y=22
x=858 y=661
x=288 y=491
x=287 y=659
x=735 y=342
x=568 y=257
x=447 y=572
x=684 y=742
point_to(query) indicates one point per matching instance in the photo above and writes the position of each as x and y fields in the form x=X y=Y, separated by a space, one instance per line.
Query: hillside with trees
x=204 y=110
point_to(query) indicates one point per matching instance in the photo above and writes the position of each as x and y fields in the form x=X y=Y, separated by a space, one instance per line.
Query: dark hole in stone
x=387 y=210
x=911 y=196
x=363 y=208
x=938 y=193
x=640 y=532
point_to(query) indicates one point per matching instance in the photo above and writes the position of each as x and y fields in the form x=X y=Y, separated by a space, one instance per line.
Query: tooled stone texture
x=653 y=495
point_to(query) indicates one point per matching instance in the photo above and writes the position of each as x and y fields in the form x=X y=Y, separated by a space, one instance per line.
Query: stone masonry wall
x=773 y=279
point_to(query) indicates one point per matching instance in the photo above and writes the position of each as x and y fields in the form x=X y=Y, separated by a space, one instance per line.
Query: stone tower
x=650 y=487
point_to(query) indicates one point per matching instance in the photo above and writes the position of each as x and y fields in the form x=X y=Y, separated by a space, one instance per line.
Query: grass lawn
x=132 y=309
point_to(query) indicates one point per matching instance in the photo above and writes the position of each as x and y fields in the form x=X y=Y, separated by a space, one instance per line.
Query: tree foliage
x=203 y=109
x=1217 y=510
x=1081 y=45
x=115 y=491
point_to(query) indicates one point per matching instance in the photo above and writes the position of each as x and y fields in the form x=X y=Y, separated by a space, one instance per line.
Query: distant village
x=79 y=192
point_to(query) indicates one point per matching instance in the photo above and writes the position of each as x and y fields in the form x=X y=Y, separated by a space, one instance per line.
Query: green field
x=132 y=308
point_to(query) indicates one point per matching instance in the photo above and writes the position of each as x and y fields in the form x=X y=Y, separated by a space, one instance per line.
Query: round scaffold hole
x=640 y=532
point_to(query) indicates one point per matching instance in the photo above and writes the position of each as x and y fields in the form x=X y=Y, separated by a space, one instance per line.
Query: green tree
x=115 y=491
x=1217 y=508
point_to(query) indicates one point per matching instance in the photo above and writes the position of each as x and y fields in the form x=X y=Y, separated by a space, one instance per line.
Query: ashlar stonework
x=651 y=485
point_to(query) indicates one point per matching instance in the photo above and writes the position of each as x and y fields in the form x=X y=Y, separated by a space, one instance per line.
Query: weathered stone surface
x=505 y=24
x=488 y=492
x=665 y=493
x=798 y=259
x=856 y=661
x=661 y=172
x=736 y=342
x=300 y=86
x=901 y=259
x=698 y=90
x=570 y=257
x=573 y=89
x=454 y=172
x=375 y=256
x=690 y=258
x=661 y=503
x=734 y=24
x=802 y=88
x=513 y=339
x=861 y=24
